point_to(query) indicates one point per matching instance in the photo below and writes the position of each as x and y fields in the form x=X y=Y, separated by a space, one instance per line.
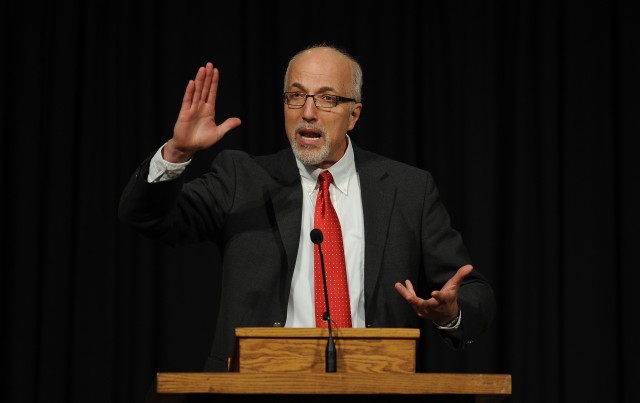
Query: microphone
x=330 y=352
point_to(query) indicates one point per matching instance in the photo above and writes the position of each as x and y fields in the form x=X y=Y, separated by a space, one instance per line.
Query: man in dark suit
x=405 y=264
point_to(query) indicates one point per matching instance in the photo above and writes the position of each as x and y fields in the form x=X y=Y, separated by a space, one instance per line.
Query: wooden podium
x=288 y=365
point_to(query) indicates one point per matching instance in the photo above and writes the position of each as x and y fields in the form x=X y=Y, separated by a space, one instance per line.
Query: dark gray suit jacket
x=252 y=207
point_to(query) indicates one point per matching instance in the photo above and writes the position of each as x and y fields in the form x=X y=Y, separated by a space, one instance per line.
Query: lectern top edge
x=288 y=332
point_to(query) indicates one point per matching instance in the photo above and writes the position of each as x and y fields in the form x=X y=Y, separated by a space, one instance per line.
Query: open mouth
x=309 y=136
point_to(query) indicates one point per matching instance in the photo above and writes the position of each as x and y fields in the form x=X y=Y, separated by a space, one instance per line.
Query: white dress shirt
x=346 y=199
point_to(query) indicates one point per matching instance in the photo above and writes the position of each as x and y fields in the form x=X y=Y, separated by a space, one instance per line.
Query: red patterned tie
x=326 y=220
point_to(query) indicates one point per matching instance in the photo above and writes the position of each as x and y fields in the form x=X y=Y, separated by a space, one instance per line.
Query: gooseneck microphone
x=330 y=352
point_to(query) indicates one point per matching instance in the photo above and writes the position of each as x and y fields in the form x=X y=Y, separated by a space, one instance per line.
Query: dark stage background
x=526 y=112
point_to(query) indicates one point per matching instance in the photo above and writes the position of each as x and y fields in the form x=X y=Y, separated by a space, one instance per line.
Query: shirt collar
x=341 y=171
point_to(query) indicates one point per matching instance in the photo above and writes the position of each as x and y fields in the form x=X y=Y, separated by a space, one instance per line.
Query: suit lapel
x=378 y=197
x=286 y=196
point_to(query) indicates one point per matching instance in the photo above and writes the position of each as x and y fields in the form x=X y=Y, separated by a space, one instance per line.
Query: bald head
x=335 y=58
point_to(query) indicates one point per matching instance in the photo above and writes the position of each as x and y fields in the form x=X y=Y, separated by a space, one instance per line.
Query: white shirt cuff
x=453 y=326
x=161 y=170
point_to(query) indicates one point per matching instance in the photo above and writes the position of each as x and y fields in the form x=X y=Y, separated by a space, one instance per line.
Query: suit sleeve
x=175 y=212
x=444 y=252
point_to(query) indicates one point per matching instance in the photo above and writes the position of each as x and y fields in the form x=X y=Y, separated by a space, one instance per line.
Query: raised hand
x=442 y=307
x=195 y=128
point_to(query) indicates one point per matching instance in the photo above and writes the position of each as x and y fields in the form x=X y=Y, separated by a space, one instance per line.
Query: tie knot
x=324 y=180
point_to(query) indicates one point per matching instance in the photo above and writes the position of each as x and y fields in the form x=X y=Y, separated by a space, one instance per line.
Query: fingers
x=461 y=274
x=205 y=85
x=187 y=99
x=202 y=88
x=451 y=286
x=209 y=73
x=194 y=89
x=213 y=87
x=410 y=287
x=402 y=290
x=199 y=82
x=230 y=123
x=442 y=302
x=406 y=291
x=454 y=282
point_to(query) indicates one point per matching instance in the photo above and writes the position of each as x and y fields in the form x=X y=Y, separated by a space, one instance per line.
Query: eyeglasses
x=325 y=101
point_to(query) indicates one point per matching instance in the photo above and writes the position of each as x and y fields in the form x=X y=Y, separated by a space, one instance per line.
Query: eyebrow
x=320 y=91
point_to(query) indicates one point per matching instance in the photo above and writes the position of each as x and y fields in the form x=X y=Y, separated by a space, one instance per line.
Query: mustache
x=312 y=126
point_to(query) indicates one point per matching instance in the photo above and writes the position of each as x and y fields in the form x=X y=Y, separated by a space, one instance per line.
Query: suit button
x=277 y=324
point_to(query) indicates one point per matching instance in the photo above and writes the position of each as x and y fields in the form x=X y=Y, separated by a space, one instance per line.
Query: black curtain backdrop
x=526 y=112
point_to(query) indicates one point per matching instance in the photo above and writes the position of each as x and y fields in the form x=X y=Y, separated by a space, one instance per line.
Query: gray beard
x=310 y=156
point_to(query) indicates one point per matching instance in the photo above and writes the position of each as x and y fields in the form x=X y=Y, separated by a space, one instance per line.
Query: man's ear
x=355 y=115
